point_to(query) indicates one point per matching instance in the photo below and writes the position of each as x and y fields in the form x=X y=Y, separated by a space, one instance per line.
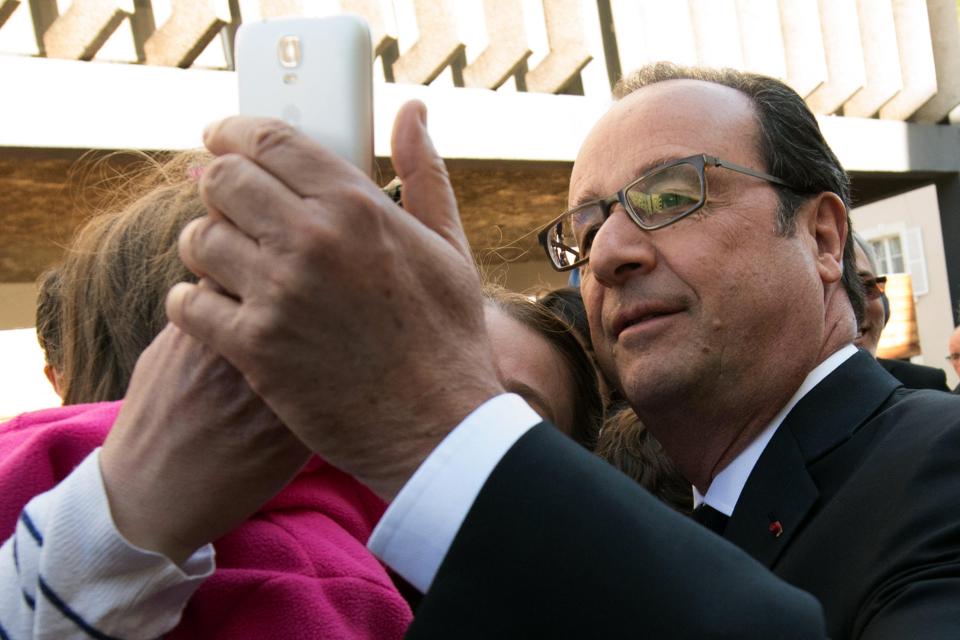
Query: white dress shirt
x=418 y=528
x=725 y=490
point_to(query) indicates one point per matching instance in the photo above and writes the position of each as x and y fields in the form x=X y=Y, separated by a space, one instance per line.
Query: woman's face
x=872 y=324
x=530 y=367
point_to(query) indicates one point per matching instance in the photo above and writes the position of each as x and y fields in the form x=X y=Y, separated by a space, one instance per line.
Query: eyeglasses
x=953 y=357
x=656 y=199
x=874 y=287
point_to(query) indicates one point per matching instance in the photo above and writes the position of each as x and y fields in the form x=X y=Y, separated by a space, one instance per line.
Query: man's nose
x=620 y=250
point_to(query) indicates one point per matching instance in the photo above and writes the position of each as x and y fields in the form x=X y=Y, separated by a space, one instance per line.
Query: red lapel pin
x=775 y=528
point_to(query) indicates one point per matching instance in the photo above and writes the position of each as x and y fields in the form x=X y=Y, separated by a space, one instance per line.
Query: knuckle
x=360 y=201
x=179 y=304
x=195 y=242
x=220 y=170
x=269 y=135
x=366 y=211
x=312 y=245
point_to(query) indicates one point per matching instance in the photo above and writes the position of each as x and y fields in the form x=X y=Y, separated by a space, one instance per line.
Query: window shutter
x=916 y=262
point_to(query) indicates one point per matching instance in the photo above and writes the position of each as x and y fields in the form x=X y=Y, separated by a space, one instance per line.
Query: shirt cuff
x=120 y=589
x=418 y=528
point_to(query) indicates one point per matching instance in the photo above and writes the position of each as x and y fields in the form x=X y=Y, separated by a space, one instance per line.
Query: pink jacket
x=298 y=568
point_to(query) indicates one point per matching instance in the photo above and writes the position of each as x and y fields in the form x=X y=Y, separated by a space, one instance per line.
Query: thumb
x=427 y=193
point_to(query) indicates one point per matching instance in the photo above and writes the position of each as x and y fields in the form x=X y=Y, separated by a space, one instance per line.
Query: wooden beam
x=881 y=59
x=840 y=27
x=568 y=49
x=188 y=31
x=7 y=7
x=803 y=45
x=507 y=50
x=763 y=50
x=279 y=8
x=945 y=31
x=80 y=32
x=383 y=33
x=437 y=46
x=917 y=65
x=716 y=32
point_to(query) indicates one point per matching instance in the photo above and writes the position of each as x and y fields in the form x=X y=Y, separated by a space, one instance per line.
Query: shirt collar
x=727 y=486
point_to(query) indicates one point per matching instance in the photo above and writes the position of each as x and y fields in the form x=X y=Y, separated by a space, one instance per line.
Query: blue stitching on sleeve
x=70 y=614
x=32 y=528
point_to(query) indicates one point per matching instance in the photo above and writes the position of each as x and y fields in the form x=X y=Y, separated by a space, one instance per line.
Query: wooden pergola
x=512 y=87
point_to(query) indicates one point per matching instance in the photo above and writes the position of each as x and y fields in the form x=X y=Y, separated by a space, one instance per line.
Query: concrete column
x=948 y=200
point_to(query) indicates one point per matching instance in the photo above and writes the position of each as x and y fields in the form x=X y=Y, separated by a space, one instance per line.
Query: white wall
x=934 y=318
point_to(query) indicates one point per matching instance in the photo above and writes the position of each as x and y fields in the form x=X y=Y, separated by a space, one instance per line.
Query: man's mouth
x=642 y=314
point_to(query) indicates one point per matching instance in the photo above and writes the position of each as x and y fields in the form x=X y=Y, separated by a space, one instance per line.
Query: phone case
x=314 y=73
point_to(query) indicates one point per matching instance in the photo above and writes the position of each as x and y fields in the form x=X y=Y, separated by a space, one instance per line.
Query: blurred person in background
x=954 y=352
x=913 y=376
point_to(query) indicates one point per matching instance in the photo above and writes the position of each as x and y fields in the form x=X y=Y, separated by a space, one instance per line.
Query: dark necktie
x=711 y=518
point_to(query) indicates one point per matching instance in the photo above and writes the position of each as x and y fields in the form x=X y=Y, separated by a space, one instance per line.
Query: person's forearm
x=414 y=535
x=68 y=573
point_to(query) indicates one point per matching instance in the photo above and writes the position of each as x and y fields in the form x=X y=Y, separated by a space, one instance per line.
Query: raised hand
x=194 y=452
x=359 y=323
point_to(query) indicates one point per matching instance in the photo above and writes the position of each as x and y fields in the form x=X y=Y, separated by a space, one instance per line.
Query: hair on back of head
x=627 y=445
x=48 y=316
x=119 y=268
x=567 y=303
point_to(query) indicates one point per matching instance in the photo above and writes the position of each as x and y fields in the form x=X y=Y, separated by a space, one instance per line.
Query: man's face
x=718 y=304
x=872 y=324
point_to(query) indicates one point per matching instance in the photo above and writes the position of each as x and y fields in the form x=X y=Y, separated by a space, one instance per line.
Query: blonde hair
x=117 y=271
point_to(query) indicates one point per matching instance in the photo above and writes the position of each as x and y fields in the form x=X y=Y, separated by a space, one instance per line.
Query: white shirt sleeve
x=68 y=573
x=418 y=528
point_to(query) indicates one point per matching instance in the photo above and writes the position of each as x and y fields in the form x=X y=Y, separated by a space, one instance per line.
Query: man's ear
x=827 y=225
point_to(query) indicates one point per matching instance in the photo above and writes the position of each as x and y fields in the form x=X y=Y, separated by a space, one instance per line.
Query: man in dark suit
x=916 y=376
x=709 y=219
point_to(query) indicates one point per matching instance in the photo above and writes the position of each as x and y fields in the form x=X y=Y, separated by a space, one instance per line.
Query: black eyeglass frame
x=874 y=287
x=699 y=161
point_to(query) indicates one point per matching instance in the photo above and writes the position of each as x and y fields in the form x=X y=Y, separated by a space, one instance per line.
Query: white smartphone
x=314 y=73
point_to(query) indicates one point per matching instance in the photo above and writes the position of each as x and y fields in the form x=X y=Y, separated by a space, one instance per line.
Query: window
x=889 y=254
x=900 y=252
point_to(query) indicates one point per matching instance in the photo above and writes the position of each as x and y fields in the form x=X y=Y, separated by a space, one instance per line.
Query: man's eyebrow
x=532 y=396
x=592 y=195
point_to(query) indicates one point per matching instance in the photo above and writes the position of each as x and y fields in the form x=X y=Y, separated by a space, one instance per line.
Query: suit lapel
x=780 y=492
x=775 y=501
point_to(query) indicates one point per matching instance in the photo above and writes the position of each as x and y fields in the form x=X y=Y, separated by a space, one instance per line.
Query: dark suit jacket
x=861 y=482
x=916 y=376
